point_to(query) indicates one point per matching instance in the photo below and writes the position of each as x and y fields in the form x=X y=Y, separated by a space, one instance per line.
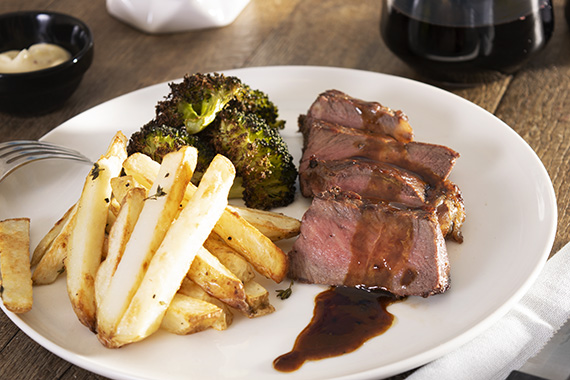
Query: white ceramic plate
x=509 y=232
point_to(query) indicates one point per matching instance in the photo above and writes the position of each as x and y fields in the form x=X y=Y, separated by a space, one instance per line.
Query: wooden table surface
x=535 y=102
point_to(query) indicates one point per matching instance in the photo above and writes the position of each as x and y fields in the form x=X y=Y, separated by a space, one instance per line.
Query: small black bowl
x=42 y=91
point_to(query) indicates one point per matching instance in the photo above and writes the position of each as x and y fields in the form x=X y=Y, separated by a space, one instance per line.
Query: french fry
x=191 y=289
x=85 y=245
x=159 y=210
x=114 y=207
x=268 y=259
x=142 y=169
x=131 y=207
x=207 y=272
x=173 y=259
x=258 y=299
x=48 y=238
x=215 y=279
x=187 y=315
x=52 y=263
x=274 y=225
x=229 y=258
x=121 y=185
x=15 y=265
x=150 y=250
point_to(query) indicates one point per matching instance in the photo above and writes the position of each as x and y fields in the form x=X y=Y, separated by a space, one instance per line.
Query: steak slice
x=327 y=141
x=337 y=107
x=374 y=180
x=348 y=241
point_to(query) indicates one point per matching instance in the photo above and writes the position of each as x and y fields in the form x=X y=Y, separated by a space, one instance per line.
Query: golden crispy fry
x=215 y=279
x=268 y=259
x=159 y=210
x=207 y=272
x=187 y=315
x=191 y=289
x=121 y=185
x=229 y=257
x=85 y=244
x=114 y=207
x=258 y=299
x=131 y=207
x=15 y=264
x=173 y=259
x=48 y=238
x=52 y=263
x=142 y=169
x=50 y=253
x=274 y=225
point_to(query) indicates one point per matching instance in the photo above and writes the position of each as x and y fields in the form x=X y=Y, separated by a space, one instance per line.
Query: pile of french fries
x=144 y=249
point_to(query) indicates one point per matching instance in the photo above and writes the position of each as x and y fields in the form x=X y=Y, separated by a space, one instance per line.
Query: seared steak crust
x=339 y=108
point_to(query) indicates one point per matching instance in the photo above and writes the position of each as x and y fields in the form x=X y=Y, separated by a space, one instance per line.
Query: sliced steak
x=384 y=182
x=327 y=141
x=375 y=180
x=337 y=107
x=346 y=240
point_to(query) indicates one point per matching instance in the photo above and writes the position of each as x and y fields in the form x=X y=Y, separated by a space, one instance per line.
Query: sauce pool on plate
x=344 y=318
x=36 y=57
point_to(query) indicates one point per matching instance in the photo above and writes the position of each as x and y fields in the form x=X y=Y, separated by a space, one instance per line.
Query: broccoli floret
x=156 y=140
x=260 y=156
x=195 y=102
x=243 y=126
x=248 y=100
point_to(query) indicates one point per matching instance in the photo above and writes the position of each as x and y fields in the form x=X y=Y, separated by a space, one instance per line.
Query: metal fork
x=14 y=154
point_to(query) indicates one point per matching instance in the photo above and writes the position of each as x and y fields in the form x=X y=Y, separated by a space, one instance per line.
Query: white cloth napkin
x=517 y=336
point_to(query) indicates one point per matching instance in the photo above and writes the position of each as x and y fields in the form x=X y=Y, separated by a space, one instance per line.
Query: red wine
x=456 y=54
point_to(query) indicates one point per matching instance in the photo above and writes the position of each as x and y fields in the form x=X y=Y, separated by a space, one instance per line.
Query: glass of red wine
x=465 y=42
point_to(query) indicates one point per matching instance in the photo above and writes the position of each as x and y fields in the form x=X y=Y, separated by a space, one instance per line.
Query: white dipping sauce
x=36 y=57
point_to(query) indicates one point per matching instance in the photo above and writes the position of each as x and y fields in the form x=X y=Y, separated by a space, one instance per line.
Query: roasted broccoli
x=195 y=102
x=249 y=100
x=156 y=140
x=220 y=114
x=260 y=156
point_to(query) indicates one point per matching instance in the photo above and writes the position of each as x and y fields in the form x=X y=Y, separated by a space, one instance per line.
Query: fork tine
x=35 y=155
x=29 y=154
x=14 y=154
x=24 y=146
x=11 y=151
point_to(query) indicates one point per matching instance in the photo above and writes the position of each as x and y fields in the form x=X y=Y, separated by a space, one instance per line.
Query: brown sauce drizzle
x=344 y=318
